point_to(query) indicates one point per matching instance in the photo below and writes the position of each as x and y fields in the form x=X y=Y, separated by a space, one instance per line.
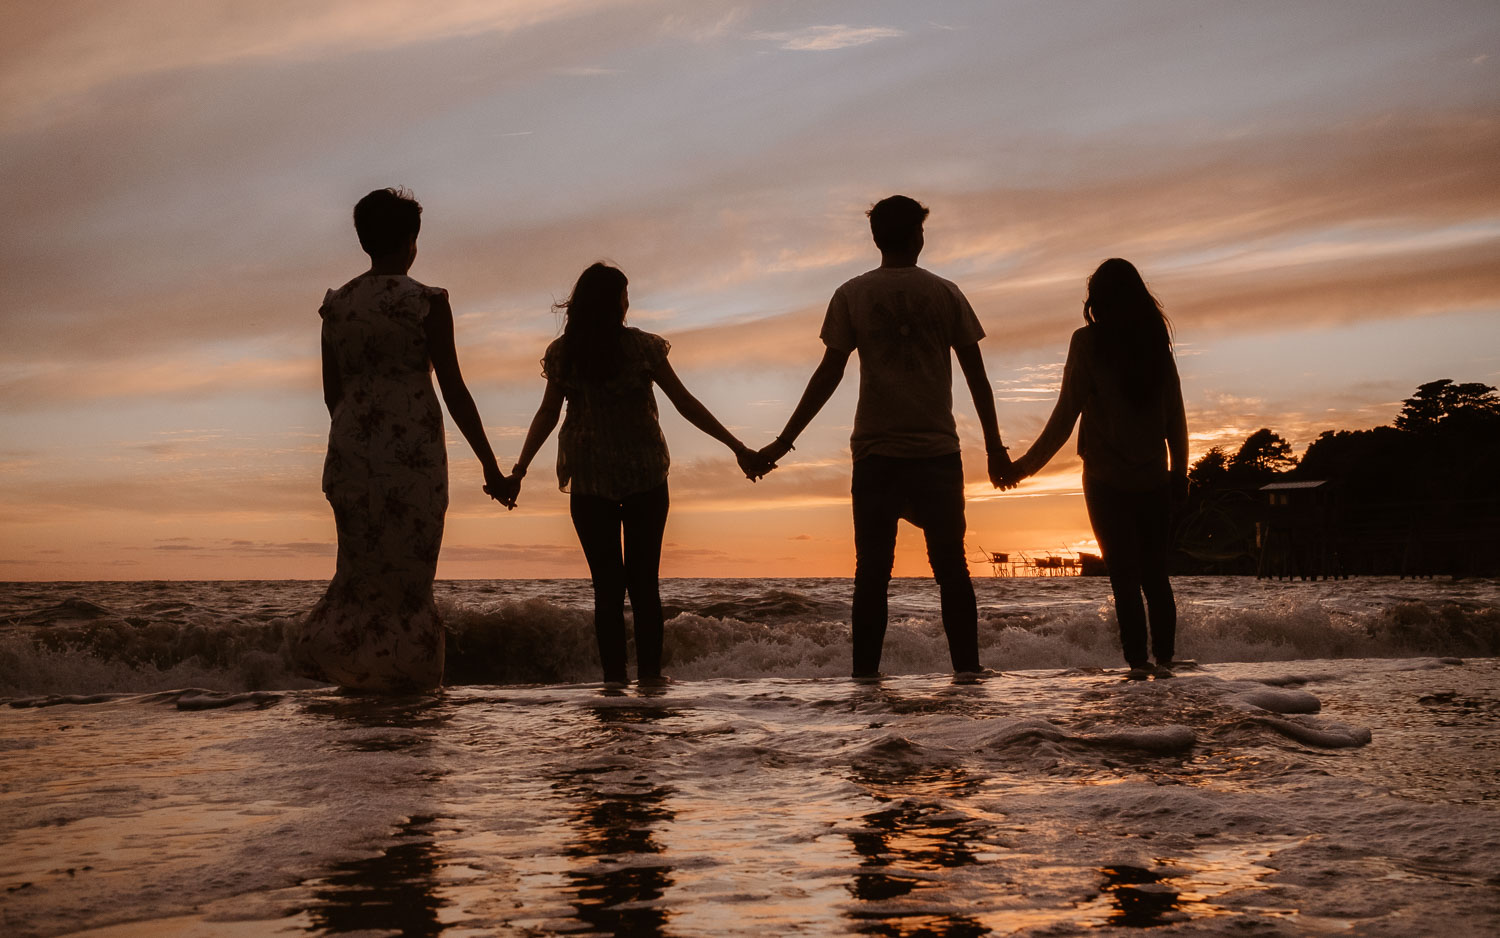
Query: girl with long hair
x=1121 y=377
x=612 y=458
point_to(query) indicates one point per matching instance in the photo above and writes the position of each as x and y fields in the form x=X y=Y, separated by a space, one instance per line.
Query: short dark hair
x=895 y=220
x=385 y=219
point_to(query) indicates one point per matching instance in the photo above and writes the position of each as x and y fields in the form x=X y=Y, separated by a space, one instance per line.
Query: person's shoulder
x=416 y=287
x=335 y=298
x=649 y=344
x=938 y=279
x=937 y=282
x=861 y=281
x=553 y=360
x=351 y=286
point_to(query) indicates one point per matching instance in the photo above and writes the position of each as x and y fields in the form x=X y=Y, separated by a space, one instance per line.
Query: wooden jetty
x=1022 y=564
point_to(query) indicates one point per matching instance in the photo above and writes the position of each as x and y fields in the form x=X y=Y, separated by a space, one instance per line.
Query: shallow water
x=1354 y=796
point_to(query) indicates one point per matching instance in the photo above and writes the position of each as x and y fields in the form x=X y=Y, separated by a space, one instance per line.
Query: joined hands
x=1006 y=475
x=502 y=488
x=753 y=463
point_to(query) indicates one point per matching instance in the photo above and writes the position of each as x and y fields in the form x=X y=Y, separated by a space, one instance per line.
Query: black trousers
x=603 y=525
x=928 y=492
x=1134 y=533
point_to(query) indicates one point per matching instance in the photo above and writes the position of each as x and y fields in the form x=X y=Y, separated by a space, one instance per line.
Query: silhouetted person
x=386 y=473
x=903 y=320
x=1121 y=377
x=612 y=458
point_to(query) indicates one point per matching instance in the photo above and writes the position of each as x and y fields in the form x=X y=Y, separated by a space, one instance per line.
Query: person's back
x=903 y=322
x=612 y=458
x=611 y=442
x=1121 y=377
x=388 y=414
x=1123 y=432
x=384 y=336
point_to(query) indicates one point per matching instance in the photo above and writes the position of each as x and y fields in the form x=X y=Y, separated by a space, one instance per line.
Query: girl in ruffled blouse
x=612 y=458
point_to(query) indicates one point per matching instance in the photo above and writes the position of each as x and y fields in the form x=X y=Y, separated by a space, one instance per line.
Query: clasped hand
x=502 y=488
x=1004 y=474
x=755 y=464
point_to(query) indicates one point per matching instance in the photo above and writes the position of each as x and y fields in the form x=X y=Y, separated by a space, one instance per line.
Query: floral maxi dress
x=386 y=476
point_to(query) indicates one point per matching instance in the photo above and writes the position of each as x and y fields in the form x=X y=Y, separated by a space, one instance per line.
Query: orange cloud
x=65 y=48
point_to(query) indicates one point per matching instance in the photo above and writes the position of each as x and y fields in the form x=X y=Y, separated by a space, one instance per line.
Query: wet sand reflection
x=398 y=890
x=905 y=848
x=619 y=878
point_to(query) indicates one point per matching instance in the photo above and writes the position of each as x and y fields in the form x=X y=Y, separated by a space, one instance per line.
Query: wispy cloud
x=828 y=38
x=58 y=51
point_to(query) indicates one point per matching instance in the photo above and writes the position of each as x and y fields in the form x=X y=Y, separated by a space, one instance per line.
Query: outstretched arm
x=700 y=417
x=971 y=362
x=1060 y=425
x=1177 y=434
x=440 y=348
x=547 y=414
x=820 y=387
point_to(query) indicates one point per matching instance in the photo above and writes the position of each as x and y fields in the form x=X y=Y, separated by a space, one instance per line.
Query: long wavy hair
x=595 y=320
x=1136 y=334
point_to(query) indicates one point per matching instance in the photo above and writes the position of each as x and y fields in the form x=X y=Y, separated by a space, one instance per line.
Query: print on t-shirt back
x=904 y=331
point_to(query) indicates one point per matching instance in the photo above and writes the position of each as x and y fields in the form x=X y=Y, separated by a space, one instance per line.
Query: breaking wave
x=80 y=645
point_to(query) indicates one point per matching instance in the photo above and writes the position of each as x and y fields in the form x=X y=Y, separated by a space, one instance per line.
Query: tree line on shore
x=1418 y=496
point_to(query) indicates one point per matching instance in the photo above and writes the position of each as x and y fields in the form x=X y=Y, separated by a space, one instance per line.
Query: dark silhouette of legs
x=929 y=493
x=1156 y=544
x=876 y=512
x=937 y=507
x=599 y=523
x=644 y=519
x=1132 y=529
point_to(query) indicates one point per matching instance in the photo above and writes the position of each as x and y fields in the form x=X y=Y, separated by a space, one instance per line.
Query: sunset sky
x=1312 y=189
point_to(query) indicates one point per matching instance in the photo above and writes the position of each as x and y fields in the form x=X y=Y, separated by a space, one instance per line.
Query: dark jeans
x=929 y=493
x=642 y=518
x=1134 y=534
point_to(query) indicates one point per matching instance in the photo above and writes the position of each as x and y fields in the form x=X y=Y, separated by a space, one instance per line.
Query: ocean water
x=1329 y=767
x=107 y=637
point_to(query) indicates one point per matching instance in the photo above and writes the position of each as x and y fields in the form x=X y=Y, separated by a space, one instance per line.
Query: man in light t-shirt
x=903 y=320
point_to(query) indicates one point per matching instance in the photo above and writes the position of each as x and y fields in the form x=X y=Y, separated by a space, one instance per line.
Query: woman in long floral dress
x=386 y=473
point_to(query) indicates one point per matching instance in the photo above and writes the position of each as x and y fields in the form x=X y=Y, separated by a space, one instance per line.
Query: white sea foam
x=94 y=638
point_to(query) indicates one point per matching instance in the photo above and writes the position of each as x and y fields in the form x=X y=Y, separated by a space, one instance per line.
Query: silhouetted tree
x=1437 y=401
x=1262 y=455
x=1371 y=465
x=1427 y=482
x=1211 y=469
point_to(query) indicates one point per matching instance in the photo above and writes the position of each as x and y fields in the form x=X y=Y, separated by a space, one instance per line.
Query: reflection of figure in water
x=907 y=847
x=386 y=474
x=618 y=884
x=399 y=889
x=1120 y=375
x=903 y=320
x=612 y=457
